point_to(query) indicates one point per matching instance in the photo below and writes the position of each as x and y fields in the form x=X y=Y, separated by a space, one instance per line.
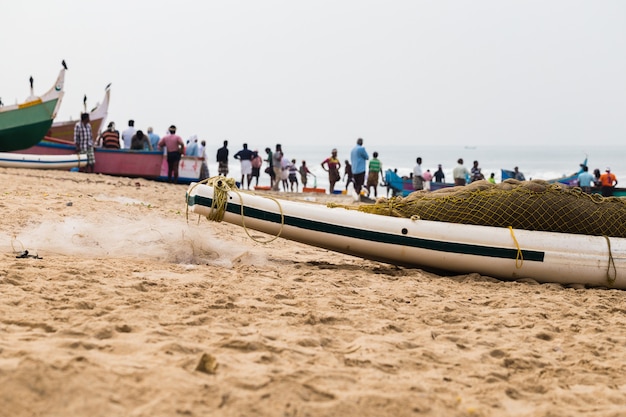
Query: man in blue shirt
x=585 y=179
x=154 y=138
x=358 y=157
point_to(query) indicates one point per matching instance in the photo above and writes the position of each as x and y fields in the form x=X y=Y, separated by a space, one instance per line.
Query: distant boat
x=64 y=130
x=470 y=147
x=24 y=124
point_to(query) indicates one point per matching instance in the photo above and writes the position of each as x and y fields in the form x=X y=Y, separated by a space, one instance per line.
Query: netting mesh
x=528 y=205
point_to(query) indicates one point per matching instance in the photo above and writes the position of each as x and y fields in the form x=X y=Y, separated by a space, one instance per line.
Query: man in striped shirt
x=84 y=140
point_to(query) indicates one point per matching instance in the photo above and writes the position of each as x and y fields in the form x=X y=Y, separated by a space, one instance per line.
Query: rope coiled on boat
x=221 y=187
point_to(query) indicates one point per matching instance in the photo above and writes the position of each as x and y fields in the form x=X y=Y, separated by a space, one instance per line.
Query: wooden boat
x=508 y=254
x=64 y=130
x=24 y=124
x=18 y=160
x=124 y=162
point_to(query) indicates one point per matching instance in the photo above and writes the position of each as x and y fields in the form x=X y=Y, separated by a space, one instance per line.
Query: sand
x=135 y=310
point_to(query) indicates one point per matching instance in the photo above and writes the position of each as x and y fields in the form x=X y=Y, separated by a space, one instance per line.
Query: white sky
x=328 y=71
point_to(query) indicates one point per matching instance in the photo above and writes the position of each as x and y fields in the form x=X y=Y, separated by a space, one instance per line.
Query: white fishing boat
x=500 y=252
x=19 y=160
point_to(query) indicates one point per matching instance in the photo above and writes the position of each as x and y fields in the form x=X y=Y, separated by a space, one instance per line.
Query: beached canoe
x=18 y=160
x=24 y=124
x=64 y=130
x=124 y=162
x=508 y=254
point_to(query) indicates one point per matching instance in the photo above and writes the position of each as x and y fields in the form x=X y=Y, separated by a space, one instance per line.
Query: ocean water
x=536 y=162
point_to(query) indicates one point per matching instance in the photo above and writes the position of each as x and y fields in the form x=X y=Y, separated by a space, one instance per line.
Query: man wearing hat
x=608 y=182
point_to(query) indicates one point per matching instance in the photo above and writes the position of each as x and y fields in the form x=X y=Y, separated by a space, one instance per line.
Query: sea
x=535 y=162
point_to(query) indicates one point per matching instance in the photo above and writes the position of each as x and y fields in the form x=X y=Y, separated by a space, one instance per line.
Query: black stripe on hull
x=372 y=236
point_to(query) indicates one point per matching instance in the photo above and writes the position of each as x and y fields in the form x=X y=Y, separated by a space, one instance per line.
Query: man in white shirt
x=127 y=135
x=418 y=179
x=460 y=173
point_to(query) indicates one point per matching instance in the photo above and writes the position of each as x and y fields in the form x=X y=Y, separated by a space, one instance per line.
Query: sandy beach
x=128 y=307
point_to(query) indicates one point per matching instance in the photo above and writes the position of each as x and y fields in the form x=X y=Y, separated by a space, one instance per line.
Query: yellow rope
x=611 y=280
x=221 y=187
x=282 y=221
x=519 y=258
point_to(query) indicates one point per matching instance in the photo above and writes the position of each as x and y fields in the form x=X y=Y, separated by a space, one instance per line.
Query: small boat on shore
x=500 y=252
x=64 y=130
x=22 y=125
x=124 y=162
x=64 y=162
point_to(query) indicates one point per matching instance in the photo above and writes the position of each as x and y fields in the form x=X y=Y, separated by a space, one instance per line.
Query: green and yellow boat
x=23 y=125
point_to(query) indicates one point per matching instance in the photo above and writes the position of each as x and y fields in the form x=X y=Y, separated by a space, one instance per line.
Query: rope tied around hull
x=611 y=265
x=519 y=258
x=221 y=187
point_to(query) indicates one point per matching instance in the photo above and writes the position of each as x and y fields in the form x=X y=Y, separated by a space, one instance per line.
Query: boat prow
x=24 y=124
x=64 y=130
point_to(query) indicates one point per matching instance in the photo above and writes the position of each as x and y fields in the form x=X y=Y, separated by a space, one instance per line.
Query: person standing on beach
x=375 y=168
x=83 y=139
x=418 y=178
x=270 y=167
x=277 y=166
x=127 y=135
x=332 y=166
x=609 y=182
x=439 y=175
x=284 y=172
x=204 y=167
x=257 y=162
x=358 y=157
x=154 y=138
x=518 y=175
x=492 y=178
x=175 y=146
x=304 y=173
x=460 y=173
x=192 y=146
x=293 y=175
x=348 y=177
x=585 y=179
x=140 y=142
x=222 y=160
x=476 y=173
x=110 y=138
x=428 y=177
x=245 y=158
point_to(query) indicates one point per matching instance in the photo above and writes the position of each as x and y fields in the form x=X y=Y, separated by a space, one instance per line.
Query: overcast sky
x=328 y=71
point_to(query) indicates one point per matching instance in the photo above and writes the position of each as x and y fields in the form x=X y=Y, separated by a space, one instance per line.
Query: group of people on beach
x=285 y=172
x=133 y=139
x=281 y=170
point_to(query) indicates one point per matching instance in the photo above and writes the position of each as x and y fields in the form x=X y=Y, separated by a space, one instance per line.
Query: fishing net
x=528 y=205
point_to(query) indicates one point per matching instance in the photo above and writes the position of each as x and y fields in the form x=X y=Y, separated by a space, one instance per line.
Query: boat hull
x=497 y=252
x=18 y=160
x=23 y=125
x=124 y=162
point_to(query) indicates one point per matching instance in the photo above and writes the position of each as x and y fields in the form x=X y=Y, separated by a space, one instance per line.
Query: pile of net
x=528 y=205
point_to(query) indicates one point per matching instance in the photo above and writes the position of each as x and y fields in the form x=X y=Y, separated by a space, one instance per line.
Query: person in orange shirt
x=608 y=181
